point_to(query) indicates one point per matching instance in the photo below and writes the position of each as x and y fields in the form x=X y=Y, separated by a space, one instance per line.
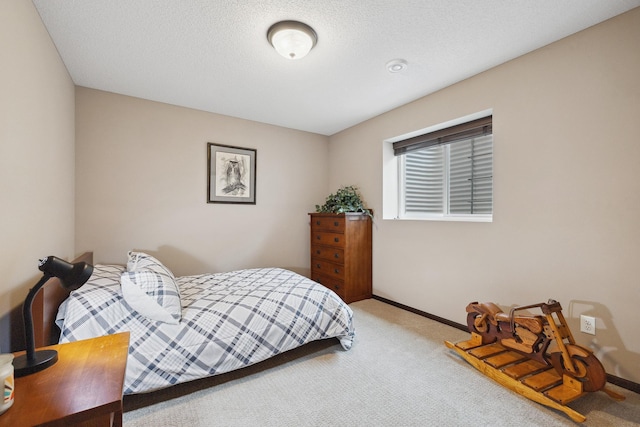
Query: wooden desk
x=83 y=388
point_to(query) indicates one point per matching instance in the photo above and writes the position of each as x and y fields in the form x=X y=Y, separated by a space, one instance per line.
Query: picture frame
x=231 y=174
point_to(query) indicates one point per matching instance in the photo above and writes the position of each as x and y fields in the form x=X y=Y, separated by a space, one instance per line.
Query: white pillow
x=139 y=260
x=153 y=295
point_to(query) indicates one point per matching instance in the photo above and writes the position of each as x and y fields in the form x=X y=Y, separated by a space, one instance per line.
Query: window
x=447 y=173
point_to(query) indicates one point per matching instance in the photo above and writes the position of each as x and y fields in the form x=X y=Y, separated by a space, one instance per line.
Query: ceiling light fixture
x=292 y=39
x=396 y=65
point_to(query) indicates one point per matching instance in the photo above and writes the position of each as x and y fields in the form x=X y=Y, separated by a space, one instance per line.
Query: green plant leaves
x=346 y=199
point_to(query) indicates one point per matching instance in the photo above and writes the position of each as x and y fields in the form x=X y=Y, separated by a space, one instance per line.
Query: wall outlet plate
x=588 y=324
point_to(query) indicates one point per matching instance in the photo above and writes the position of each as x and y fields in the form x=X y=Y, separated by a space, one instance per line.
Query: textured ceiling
x=213 y=55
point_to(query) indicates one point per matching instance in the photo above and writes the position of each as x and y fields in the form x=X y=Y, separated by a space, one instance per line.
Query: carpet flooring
x=398 y=373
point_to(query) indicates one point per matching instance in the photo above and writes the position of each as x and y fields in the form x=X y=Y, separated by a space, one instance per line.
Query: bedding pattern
x=229 y=320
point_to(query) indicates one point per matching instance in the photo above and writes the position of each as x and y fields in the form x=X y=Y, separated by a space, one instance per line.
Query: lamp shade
x=72 y=276
x=292 y=39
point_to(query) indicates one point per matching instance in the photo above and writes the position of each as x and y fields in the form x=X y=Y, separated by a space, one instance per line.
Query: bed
x=190 y=327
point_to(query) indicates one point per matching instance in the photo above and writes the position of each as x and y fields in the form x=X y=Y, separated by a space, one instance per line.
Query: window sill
x=459 y=218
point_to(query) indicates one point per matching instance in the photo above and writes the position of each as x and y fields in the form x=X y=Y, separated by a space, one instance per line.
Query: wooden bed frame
x=45 y=307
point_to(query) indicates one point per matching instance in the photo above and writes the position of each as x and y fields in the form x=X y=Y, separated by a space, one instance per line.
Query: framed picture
x=231 y=174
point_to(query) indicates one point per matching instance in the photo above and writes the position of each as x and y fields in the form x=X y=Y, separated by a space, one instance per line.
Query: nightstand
x=83 y=388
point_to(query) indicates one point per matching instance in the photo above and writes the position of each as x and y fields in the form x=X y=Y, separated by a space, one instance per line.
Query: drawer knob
x=317 y=265
x=336 y=223
x=337 y=287
x=336 y=255
x=336 y=239
x=317 y=222
x=336 y=271
x=318 y=237
x=318 y=252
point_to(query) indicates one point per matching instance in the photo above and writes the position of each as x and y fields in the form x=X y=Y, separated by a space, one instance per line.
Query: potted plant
x=346 y=199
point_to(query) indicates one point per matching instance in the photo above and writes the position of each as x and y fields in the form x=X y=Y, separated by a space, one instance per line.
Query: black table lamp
x=71 y=276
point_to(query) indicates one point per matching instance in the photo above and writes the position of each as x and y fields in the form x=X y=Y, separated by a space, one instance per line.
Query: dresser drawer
x=327 y=268
x=328 y=253
x=336 y=285
x=333 y=224
x=331 y=239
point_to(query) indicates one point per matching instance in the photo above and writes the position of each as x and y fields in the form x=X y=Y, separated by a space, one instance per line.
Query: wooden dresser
x=341 y=253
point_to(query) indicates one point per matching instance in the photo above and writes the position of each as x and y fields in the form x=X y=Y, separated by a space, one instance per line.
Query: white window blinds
x=449 y=174
x=470 y=176
x=424 y=182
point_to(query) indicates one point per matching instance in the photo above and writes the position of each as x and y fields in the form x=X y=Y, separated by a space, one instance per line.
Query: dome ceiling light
x=292 y=39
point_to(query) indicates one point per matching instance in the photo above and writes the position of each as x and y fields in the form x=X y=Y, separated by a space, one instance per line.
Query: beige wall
x=36 y=159
x=566 y=184
x=142 y=184
x=567 y=192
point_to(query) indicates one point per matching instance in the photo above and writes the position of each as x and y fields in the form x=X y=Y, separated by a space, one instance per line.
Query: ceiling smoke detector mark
x=396 y=65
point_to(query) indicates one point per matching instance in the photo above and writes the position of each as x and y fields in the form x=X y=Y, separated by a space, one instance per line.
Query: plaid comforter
x=229 y=320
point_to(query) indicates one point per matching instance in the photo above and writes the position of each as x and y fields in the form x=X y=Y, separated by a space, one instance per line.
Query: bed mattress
x=229 y=320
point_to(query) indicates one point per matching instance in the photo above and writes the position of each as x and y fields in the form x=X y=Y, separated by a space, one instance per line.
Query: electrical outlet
x=587 y=324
